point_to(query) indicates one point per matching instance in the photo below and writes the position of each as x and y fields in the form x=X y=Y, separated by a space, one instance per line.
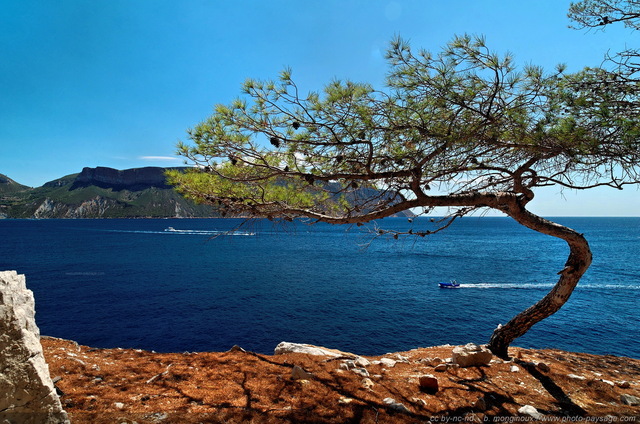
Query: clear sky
x=118 y=82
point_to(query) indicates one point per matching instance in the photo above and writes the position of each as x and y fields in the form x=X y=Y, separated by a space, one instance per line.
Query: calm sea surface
x=130 y=283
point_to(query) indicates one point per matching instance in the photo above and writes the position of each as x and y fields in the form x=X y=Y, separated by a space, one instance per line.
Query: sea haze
x=131 y=283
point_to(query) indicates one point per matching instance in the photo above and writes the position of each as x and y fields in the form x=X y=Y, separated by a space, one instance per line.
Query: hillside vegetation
x=100 y=193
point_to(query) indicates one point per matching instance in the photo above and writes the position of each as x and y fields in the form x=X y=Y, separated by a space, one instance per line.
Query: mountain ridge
x=103 y=192
x=100 y=192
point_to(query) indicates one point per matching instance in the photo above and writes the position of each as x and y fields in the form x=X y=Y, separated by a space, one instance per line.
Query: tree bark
x=577 y=263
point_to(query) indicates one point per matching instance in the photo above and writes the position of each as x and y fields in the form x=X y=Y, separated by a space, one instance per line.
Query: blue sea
x=133 y=284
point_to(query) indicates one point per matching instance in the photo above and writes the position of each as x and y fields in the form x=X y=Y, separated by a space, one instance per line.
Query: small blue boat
x=453 y=284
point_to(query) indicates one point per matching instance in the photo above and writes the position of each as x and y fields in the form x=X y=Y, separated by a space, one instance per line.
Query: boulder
x=27 y=394
x=471 y=355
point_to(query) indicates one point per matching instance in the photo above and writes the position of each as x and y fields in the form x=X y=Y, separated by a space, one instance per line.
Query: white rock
x=422 y=402
x=362 y=362
x=471 y=355
x=361 y=371
x=531 y=411
x=119 y=405
x=400 y=358
x=297 y=373
x=397 y=406
x=286 y=347
x=514 y=368
x=576 y=377
x=367 y=383
x=387 y=362
x=347 y=364
x=27 y=394
x=630 y=400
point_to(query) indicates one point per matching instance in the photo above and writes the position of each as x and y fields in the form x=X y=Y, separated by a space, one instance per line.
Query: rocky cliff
x=134 y=179
x=27 y=394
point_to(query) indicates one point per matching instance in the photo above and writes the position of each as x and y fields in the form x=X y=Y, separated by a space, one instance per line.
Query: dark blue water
x=130 y=283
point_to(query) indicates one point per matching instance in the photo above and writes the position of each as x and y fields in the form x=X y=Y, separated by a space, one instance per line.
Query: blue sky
x=118 y=82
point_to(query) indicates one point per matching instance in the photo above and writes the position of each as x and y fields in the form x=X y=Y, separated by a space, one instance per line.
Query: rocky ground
x=127 y=386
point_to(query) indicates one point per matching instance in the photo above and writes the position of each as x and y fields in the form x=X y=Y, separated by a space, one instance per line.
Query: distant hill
x=104 y=193
x=100 y=193
x=8 y=186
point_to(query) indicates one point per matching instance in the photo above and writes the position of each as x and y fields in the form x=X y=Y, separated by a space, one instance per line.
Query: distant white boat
x=209 y=232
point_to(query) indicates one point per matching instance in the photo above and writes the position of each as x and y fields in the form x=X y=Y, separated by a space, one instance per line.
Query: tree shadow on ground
x=564 y=401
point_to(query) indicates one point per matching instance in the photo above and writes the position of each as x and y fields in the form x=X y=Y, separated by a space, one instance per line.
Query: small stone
x=530 y=411
x=419 y=401
x=119 y=405
x=236 y=348
x=428 y=384
x=345 y=400
x=436 y=361
x=361 y=371
x=514 y=368
x=396 y=406
x=609 y=382
x=347 y=364
x=388 y=362
x=367 y=383
x=543 y=367
x=576 y=377
x=440 y=368
x=624 y=384
x=480 y=404
x=400 y=358
x=629 y=400
x=298 y=373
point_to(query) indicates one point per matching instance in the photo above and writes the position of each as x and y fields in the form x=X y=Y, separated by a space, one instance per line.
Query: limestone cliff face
x=131 y=179
x=27 y=394
x=96 y=207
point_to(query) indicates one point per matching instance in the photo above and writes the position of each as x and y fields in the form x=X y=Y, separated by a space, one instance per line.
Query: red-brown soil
x=127 y=386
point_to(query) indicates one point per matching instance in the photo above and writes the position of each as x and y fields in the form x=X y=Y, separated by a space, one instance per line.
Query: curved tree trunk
x=576 y=265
